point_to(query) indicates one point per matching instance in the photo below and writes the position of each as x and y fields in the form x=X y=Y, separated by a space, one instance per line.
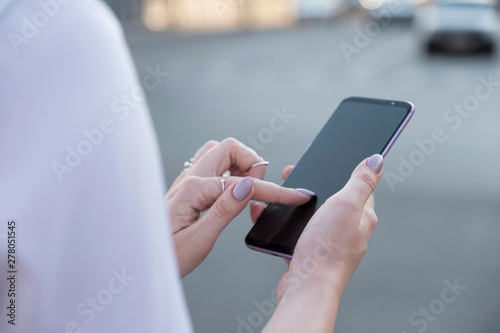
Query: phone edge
x=400 y=129
x=266 y=251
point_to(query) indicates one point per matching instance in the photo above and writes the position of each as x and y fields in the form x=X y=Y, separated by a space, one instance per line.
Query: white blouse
x=81 y=181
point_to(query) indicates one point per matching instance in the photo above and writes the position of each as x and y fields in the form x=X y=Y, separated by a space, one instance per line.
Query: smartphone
x=359 y=128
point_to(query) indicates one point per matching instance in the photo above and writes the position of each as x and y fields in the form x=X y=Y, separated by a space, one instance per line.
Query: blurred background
x=233 y=65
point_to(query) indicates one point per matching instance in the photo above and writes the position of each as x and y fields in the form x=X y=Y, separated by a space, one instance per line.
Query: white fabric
x=94 y=251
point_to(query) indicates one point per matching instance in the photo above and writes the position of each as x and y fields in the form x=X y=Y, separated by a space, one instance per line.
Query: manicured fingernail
x=243 y=188
x=375 y=162
x=305 y=191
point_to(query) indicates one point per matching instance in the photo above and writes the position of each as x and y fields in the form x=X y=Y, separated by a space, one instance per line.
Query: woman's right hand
x=327 y=254
x=199 y=189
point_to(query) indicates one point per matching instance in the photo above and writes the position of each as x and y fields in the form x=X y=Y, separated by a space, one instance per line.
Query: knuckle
x=369 y=180
x=203 y=199
x=369 y=210
x=373 y=220
x=232 y=142
x=281 y=194
x=213 y=189
x=210 y=144
x=344 y=201
x=371 y=217
x=199 y=202
x=362 y=250
x=198 y=191
x=191 y=181
x=222 y=210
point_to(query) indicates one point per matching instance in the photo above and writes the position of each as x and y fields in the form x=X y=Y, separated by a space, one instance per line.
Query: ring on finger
x=187 y=165
x=223 y=181
x=259 y=163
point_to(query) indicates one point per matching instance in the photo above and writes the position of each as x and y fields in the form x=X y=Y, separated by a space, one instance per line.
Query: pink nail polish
x=375 y=162
x=305 y=191
x=243 y=188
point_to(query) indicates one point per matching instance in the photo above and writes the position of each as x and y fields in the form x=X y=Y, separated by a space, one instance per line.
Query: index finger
x=229 y=154
x=273 y=193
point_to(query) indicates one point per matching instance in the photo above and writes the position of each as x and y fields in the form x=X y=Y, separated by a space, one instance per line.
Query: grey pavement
x=439 y=224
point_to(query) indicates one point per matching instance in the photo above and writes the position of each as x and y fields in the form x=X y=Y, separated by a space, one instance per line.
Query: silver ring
x=223 y=182
x=259 y=163
x=187 y=165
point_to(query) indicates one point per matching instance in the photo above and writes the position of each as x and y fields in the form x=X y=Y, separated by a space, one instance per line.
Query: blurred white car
x=464 y=26
x=393 y=10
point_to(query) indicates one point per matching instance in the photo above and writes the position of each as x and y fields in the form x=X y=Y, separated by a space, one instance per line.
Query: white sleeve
x=81 y=177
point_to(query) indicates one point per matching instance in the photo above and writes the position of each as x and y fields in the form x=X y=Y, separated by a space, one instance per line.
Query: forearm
x=311 y=308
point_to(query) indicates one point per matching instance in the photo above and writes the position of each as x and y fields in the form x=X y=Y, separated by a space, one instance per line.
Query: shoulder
x=28 y=23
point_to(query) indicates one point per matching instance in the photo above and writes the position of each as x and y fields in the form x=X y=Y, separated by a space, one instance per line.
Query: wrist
x=321 y=289
x=307 y=306
x=330 y=278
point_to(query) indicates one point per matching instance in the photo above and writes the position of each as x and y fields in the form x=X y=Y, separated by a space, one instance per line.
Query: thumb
x=225 y=209
x=364 y=179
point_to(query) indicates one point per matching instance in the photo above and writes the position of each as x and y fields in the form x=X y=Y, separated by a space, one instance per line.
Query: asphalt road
x=439 y=222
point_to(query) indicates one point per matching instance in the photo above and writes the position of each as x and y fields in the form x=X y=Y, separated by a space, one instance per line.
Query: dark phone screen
x=359 y=128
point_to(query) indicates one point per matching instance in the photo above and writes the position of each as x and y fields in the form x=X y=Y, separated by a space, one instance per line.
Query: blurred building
x=205 y=14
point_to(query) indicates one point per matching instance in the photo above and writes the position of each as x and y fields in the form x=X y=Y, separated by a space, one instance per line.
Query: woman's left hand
x=200 y=189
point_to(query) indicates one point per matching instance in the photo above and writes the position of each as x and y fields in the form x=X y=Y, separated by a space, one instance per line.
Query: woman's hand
x=199 y=189
x=327 y=254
